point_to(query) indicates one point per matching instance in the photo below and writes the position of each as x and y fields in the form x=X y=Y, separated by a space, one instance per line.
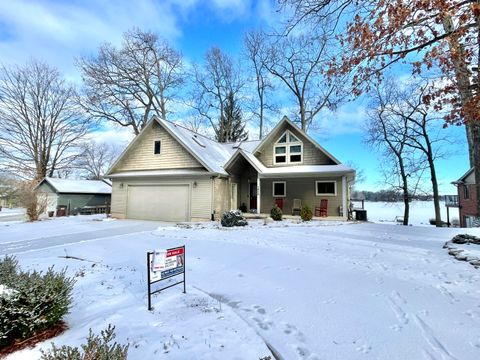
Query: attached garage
x=159 y=202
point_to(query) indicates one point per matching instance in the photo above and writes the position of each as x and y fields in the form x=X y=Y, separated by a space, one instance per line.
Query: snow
x=79 y=186
x=310 y=291
x=420 y=212
x=6 y=212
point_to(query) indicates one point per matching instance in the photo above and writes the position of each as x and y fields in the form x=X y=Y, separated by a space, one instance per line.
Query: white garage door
x=159 y=202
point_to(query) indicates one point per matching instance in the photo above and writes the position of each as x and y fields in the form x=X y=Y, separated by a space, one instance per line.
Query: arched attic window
x=288 y=149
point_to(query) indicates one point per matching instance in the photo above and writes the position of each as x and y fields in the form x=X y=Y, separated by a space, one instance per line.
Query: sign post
x=163 y=265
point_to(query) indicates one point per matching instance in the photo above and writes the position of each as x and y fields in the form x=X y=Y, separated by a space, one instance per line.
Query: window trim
x=287 y=146
x=160 y=147
x=326 y=194
x=284 y=188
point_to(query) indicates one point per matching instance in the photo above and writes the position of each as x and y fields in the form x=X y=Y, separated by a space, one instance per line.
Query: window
x=288 y=149
x=466 y=193
x=279 y=189
x=157 y=147
x=325 y=188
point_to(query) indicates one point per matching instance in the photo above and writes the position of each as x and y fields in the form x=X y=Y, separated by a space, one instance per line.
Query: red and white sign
x=166 y=263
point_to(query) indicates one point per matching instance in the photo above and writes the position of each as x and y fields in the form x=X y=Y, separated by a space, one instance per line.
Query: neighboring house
x=73 y=193
x=467 y=198
x=171 y=173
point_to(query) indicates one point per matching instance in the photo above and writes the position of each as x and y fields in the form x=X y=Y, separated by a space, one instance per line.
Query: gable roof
x=286 y=120
x=78 y=186
x=210 y=153
x=217 y=157
x=463 y=177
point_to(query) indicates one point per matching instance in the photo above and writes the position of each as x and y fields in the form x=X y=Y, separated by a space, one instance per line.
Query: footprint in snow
x=364 y=349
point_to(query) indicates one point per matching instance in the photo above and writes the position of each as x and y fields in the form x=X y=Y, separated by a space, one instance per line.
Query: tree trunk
x=462 y=77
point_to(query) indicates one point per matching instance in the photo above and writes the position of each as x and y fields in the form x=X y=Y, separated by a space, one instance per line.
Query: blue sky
x=58 y=31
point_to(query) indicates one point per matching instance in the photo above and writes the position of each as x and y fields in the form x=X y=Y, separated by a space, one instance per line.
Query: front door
x=253 y=196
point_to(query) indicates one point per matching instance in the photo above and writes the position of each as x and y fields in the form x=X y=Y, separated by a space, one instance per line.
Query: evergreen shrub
x=276 y=213
x=97 y=347
x=30 y=302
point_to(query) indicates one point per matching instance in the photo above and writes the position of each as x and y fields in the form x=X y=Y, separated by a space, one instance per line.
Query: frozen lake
x=420 y=211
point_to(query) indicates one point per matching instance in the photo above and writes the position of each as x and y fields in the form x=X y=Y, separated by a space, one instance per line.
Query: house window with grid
x=466 y=192
x=288 y=150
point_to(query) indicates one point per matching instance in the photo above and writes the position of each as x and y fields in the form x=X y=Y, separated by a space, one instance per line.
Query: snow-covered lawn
x=11 y=212
x=317 y=291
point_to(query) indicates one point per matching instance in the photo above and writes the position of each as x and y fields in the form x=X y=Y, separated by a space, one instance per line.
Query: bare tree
x=389 y=133
x=300 y=63
x=40 y=123
x=96 y=159
x=422 y=133
x=218 y=79
x=131 y=84
x=256 y=45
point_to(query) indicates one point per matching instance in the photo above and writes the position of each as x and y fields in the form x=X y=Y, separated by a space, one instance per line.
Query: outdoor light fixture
x=121 y=185
x=194 y=184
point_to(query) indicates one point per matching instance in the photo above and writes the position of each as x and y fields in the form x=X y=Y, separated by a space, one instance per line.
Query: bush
x=33 y=301
x=97 y=347
x=233 y=218
x=306 y=213
x=276 y=213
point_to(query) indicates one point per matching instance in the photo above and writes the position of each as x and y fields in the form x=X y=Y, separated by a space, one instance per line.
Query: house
x=171 y=173
x=73 y=194
x=467 y=198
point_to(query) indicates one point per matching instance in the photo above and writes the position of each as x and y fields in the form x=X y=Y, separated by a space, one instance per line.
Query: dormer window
x=288 y=149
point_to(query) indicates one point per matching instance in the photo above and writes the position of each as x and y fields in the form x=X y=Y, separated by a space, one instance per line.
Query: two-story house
x=467 y=198
x=171 y=173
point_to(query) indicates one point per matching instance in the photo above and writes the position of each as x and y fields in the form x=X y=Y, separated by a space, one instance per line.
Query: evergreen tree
x=231 y=125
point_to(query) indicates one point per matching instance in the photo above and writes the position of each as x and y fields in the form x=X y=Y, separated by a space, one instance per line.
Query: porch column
x=344 y=196
x=258 y=194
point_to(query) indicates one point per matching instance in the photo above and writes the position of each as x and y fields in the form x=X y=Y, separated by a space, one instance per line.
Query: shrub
x=276 y=213
x=97 y=347
x=233 y=218
x=34 y=301
x=306 y=213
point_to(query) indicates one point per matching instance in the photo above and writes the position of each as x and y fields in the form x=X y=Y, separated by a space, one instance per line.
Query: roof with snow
x=78 y=186
x=217 y=157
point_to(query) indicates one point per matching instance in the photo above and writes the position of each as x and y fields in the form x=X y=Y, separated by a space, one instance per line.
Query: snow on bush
x=233 y=218
x=97 y=347
x=34 y=301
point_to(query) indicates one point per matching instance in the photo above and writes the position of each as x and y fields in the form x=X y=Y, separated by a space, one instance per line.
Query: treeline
x=387 y=196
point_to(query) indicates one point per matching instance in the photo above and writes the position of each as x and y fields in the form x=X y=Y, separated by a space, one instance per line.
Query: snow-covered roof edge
x=75 y=186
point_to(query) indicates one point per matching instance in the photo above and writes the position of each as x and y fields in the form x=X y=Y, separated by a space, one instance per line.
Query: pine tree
x=231 y=126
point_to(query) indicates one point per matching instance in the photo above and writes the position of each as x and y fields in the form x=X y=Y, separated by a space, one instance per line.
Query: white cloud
x=57 y=32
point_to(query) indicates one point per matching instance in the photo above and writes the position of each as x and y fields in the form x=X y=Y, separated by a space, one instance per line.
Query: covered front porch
x=256 y=189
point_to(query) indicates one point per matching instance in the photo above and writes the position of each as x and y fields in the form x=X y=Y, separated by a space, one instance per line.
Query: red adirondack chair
x=322 y=210
x=279 y=203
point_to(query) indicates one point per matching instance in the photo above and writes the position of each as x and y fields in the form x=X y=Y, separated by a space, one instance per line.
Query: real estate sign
x=162 y=265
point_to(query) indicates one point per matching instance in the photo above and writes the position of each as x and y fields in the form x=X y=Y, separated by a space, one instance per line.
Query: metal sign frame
x=150 y=283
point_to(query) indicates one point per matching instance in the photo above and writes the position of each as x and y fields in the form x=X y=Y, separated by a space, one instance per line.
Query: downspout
x=212 y=200
x=344 y=196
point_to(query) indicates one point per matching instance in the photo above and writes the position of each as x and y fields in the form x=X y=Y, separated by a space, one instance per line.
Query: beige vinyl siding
x=201 y=195
x=172 y=154
x=304 y=189
x=311 y=154
x=222 y=196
